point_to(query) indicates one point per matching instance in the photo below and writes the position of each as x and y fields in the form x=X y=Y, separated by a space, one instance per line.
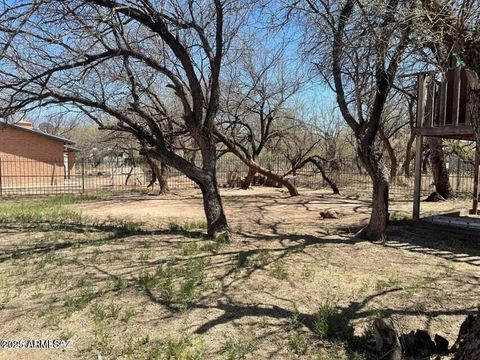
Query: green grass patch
x=234 y=349
x=187 y=226
x=177 y=285
x=43 y=211
x=298 y=344
x=329 y=323
x=389 y=282
x=279 y=272
x=183 y=347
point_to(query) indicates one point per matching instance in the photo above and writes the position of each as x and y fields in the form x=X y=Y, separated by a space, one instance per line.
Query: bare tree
x=62 y=122
x=358 y=47
x=259 y=88
x=307 y=143
x=392 y=130
x=123 y=64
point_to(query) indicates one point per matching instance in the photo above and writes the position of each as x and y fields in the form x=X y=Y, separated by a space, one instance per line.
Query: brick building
x=31 y=157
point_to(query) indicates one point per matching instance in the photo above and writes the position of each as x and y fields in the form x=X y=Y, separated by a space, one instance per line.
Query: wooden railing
x=444 y=101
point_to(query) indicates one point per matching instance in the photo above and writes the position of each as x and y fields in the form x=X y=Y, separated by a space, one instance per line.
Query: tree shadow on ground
x=424 y=241
x=113 y=232
x=416 y=237
x=430 y=240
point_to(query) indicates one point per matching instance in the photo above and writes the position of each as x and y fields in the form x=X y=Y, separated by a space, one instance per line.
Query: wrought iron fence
x=20 y=176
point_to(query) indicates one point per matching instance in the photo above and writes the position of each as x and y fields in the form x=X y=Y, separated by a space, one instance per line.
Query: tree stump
x=386 y=338
x=467 y=346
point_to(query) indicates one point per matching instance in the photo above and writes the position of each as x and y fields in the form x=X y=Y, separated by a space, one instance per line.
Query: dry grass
x=291 y=285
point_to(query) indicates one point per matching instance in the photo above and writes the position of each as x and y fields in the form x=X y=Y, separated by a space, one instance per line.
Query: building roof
x=41 y=133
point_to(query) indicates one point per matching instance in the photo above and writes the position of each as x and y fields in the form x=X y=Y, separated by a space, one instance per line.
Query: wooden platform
x=459 y=132
x=458 y=226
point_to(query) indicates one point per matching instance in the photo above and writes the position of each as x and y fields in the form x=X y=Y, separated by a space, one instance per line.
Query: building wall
x=29 y=159
x=71 y=164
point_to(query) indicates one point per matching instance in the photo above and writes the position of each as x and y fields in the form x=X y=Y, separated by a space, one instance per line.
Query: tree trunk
x=391 y=154
x=248 y=179
x=206 y=179
x=158 y=174
x=329 y=181
x=128 y=176
x=377 y=225
x=253 y=166
x=408 y=155
x=275 y=177
x=163 y=179
x=319 y=166
x=474 y=109
x=217 y=226
x=439 y=168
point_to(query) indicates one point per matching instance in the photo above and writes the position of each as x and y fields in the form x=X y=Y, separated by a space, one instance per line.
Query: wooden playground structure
x=443 y=111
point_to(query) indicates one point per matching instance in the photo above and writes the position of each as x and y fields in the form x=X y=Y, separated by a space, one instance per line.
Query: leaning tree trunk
x=439 y=168
x=329 y=181
x=253 y=166
x=377 y=225
x=248 y=179
x=206 y=179
x=320 y=167
x=292 y=189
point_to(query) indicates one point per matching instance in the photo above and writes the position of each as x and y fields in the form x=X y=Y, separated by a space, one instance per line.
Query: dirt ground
x=257 y=297
x=258 y=206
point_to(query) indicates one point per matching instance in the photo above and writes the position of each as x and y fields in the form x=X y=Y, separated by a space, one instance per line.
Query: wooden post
x=419 y=147
x=443 y=102
x=418 y=177
x=474 y=210
x=456 y=96
x=420 y=100
x=430 y=103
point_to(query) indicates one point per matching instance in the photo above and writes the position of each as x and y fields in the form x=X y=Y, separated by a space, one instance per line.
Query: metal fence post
x=83 y=175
